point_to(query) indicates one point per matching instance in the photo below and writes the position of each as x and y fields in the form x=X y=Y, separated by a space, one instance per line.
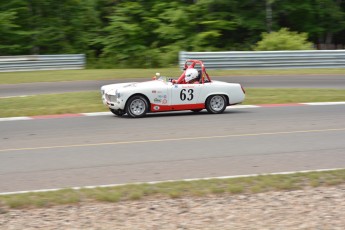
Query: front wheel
x=216 y=104
x=137 y=106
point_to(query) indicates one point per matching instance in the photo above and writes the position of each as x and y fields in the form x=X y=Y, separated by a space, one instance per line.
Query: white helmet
x=191 y=74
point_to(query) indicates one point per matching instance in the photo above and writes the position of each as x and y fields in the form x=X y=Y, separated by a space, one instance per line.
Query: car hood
x=110 y=89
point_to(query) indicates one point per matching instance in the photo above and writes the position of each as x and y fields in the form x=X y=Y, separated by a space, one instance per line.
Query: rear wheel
x=117 y=112
x=137 y=106
x=216 y=104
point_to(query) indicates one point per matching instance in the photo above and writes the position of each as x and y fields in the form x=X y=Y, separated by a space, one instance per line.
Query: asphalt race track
x=81 y=151
x=306 y=81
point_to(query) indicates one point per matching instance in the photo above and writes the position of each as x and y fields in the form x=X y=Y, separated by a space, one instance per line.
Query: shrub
x=284 y=40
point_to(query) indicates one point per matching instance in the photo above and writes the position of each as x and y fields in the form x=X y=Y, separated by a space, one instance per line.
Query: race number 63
x=184 y=94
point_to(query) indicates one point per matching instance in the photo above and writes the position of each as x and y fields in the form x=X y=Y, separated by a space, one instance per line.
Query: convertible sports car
x=193 y=90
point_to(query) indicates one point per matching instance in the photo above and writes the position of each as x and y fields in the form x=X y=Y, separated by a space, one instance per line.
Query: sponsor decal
x=161 y=96
x=164 y=101
x=176 y=86
x=157 y=100
x=188 y=86
x=156 y=107
x=154 y=91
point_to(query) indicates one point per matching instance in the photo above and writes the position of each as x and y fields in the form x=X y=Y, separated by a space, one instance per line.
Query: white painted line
x=14 y=96
x=242 y=106
x=325 y=103
x=97 y=114
x=94 y=114
x=15 y=118
x=169 y=139
x=157 y=182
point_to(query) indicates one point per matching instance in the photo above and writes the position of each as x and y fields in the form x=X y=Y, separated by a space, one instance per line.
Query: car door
x=184 y=94
x=160 y=97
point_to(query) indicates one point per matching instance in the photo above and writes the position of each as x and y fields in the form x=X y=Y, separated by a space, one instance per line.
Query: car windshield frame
x=163 y=79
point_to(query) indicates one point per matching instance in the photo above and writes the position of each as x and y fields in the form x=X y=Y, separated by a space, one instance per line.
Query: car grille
x=111 y=98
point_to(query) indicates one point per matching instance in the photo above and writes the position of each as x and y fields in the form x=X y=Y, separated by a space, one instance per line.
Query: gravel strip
x=311 y=208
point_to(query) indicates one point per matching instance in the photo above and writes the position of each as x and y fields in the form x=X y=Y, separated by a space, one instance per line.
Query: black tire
x=216 y=104
x=196 y=110
x=137 y=106
x=118 y=113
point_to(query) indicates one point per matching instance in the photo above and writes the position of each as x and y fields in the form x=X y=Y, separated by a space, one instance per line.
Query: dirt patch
x=311 y=208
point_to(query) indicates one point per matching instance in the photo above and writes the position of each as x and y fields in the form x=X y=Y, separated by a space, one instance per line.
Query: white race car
x=194 y=90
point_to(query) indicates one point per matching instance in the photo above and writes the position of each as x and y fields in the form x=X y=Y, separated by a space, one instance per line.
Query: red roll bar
x=192 y=65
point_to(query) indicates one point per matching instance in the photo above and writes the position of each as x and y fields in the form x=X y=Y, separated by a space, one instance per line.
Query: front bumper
x=112 y=102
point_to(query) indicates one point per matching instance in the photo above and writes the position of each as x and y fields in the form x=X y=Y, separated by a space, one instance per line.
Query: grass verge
x=83 y=102
x=108 y=74
x=199 y=188
x=79 y=102
x=272 y=96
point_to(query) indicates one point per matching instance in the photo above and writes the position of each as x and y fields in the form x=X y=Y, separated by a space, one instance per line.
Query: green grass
x=263 y=72
x=199 y=188
x=52 y=104
x=78 y=75
x=108 y=74
x=272 y=96
x=83 y=102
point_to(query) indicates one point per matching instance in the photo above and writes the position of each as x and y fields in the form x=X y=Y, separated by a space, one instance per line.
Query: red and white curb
x=109 y=113
x=157 y=182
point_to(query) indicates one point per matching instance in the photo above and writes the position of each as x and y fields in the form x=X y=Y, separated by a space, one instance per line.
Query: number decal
x=183 y=95
x=191 y=96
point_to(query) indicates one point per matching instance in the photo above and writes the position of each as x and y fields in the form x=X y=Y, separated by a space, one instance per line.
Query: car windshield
x=163 y=79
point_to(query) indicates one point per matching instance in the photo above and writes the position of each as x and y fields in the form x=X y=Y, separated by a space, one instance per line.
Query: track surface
x=80 y=151
x=311 y=81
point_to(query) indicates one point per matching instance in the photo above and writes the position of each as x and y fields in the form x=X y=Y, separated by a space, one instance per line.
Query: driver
x=191 y=76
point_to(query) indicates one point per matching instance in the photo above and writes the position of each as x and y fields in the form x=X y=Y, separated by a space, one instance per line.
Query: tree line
x=150 y=33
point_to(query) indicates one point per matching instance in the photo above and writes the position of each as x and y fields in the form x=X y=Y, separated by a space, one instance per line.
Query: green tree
x=323 y=20
x=150 y=33
x=175 y=29
x=284 y=40
x=13 y=37
x=48 y=27
x=228 y=24
x=8 y=33
x=127 y=35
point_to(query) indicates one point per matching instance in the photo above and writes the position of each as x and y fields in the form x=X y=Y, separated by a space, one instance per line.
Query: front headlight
x=117 y=93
